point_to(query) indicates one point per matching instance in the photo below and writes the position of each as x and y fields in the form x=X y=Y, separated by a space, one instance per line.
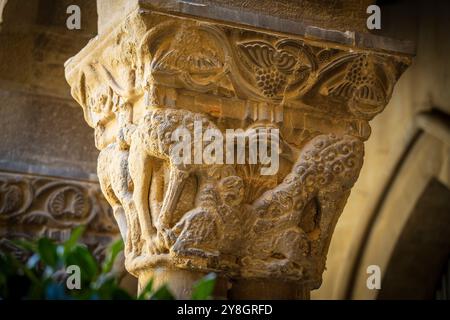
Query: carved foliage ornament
x=52 y=203
x=34 y=206
x=231 y=63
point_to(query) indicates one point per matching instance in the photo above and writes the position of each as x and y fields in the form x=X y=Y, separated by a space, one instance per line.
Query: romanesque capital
x=156 y=72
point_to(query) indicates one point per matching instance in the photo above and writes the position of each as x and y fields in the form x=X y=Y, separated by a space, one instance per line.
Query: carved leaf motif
x=196 y=63
x=325 y=55
x=260 y=53
x=68 y=203
x=276 y=67
x=363 y=87
x=285 y=62
x=11 y=199
x=193 y=56
x=255 y=184
x=25 y=201
x=35 y=219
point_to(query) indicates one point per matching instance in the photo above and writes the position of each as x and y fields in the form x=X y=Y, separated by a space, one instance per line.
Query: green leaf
x=48 y=252
x=145 y=294
x=204 y=288
x=113 y=251
x=33 y=261
x=80 y=256
x=25 y=244
x=163 y=293
x=74 y=237
x=110 y=290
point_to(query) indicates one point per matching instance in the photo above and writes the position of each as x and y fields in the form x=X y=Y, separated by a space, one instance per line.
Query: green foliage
x=204 y=288
x=163 y=293
x=45 y=274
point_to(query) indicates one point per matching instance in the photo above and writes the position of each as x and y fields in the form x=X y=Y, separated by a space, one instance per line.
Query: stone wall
x=48 y=181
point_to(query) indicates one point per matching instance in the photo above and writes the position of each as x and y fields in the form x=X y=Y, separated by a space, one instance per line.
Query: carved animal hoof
x=159 y=244
x=166 y=238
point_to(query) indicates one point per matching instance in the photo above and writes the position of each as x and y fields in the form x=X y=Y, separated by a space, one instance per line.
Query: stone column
x=160 y=66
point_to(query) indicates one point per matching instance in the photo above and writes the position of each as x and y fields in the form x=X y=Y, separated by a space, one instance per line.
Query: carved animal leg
x=119 y=215
x=177 y=178
x=121 y=184
x=103 y=169
x=133 y=232
x=141 y=173
x=127 y=212
x=165 y=236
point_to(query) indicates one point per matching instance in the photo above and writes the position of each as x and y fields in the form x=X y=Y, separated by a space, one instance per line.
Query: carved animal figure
x=116 y=183
x=213 y=227
x=153 y=139
x=297 y=209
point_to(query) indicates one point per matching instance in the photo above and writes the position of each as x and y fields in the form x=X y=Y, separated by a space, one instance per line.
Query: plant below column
x=52 y=269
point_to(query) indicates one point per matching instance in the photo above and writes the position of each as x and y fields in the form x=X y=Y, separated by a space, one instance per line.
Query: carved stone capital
x=156 y=71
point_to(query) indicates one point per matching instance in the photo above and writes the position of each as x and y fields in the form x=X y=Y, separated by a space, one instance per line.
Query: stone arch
x=407 y=212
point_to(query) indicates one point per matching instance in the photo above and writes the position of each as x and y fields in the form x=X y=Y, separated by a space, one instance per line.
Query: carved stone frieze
x=156 y=72
x=35 y=206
